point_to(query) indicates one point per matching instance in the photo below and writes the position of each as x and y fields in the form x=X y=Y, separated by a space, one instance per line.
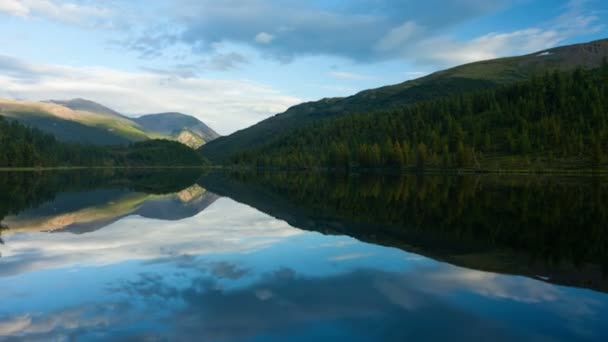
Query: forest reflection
x=88 y=200
x=548 y=227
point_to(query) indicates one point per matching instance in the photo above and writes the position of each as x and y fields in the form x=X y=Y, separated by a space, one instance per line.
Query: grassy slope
x=74 y=125
x=459 y=79
x=84 y=121
x=174 y=123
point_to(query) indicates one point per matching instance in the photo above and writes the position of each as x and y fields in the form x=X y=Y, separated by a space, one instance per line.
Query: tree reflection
x=518 y=224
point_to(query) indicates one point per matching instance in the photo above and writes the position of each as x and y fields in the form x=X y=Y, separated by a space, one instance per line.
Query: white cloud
x=68 y=12
x=398 y=37
x=264 y=38
x=447 y=51
x=225 y=105
x=493 y=45
x=349 y=75
x=576 y=20
x=14 y=7
x=349 y=257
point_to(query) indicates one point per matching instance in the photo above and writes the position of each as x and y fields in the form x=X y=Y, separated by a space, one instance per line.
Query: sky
x=233 y=63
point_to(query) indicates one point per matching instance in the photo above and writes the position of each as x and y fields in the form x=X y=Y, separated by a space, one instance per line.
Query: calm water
x=185 y=256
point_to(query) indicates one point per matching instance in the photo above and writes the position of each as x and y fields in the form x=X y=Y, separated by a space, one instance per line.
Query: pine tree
x=422 y=156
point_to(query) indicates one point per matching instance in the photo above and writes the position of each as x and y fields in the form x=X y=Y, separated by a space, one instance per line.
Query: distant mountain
x=88 y=106
x=71 y=125
x=88 y=122
x=460 y=79
x=175 y=123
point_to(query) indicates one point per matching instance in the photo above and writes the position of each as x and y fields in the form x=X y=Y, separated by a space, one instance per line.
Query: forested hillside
x=457 y=80
x=559 y=120
x=22 y=146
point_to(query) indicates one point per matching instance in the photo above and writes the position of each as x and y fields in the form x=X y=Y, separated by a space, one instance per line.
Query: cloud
x=131 y=238
x=65 y=324
x=227 y=61
x=14 y=7
x=264 y=38
x=349 y=75
x=398 y=37
x=225 y=105
x=284 y=301
x=67 y=12
x=360 y=30
x=444 y=50
x=349 y=256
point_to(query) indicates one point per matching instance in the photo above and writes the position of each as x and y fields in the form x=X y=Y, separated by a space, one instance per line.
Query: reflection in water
x=109 y=206
x=83 y=203
x=108 y=259
x=552 y=228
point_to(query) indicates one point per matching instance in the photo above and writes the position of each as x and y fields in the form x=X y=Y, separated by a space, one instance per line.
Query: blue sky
x=232 y=63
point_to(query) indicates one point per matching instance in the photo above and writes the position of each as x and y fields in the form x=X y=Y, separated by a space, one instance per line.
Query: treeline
x=556 y=119
x=22 y=146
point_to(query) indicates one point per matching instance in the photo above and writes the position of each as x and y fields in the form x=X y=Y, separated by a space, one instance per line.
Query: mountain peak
x=87 y=106
x=174 y=123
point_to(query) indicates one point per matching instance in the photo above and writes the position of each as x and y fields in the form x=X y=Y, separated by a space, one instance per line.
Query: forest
x=22 y=146
x=557 y=120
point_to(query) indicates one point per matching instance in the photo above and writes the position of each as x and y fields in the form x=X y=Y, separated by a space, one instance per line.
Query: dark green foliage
x=557 y=118
x=457 y=80
x=21 y=146
x=158 y=153
x=23 y=190
x=516 y=224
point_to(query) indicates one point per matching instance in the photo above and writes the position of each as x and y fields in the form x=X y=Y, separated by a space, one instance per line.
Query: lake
x=186 y=255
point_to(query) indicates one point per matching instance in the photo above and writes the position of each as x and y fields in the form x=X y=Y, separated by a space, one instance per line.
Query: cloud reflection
x=225 y=226
x=285 y=303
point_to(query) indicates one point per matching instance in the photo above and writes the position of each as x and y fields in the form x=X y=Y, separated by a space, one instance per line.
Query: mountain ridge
x=459 y=79
x=83 y=121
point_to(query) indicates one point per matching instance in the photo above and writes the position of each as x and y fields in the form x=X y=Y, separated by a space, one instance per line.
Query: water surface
x=185 y=256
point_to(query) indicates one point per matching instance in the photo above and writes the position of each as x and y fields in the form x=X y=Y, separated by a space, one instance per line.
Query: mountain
x=557 y=121
x=87 y=122
x=88 y=106
x=71 y=125
x=175 y=124
x=469 y=77
x=24 y=146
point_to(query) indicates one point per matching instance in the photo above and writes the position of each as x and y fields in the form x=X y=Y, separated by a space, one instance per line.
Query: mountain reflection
x=81 y=202
x=158 y=256
x=551 y=228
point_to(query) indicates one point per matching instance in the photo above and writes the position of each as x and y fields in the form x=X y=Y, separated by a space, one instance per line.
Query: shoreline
x=73 y=168
x=379 y=171
x=413 y=171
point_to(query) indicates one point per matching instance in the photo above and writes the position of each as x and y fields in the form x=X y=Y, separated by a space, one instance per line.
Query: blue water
x=232 y=273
